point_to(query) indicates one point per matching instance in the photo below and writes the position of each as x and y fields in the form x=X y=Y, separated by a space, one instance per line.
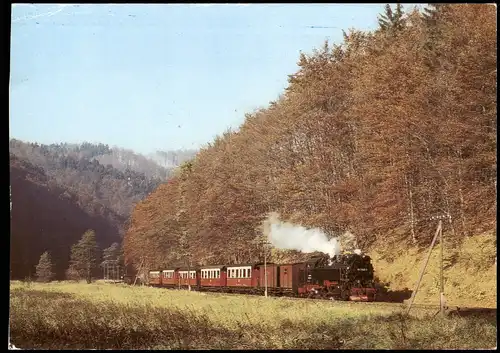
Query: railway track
x=451 y=309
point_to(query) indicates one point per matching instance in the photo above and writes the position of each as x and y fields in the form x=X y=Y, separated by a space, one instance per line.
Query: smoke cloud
x=287 y=236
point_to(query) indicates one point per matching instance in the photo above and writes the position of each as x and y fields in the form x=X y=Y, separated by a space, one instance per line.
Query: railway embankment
x=470 y=274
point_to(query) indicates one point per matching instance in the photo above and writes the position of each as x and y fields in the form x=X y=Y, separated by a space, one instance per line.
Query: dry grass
x=77 y=315
x=470 y=271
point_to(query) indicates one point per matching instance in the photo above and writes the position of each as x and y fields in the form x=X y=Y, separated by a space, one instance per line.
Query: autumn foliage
x=377 y=134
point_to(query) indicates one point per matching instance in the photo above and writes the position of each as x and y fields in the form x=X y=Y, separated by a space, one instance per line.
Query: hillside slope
x=47 y=217
x=375 y=136
x=77 y=169
x=470 y=271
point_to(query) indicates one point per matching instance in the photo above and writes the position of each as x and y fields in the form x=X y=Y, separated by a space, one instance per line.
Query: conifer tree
x=392 y=21
x=44 y=268
x=83 y=257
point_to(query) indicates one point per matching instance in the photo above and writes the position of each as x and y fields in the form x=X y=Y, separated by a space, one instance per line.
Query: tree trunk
x=460 y=193
x=409 y=187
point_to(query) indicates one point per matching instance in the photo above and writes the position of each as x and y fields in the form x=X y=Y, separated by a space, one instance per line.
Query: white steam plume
x=284 y=235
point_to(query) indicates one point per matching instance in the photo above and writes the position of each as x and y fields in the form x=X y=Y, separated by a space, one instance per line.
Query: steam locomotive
x=347 y=276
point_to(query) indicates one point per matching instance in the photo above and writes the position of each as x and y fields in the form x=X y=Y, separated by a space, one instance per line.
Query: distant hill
x=60 y=190
x=47 y=217
x=172 y=159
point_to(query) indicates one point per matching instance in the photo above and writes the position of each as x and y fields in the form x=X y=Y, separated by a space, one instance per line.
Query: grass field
x=65 y=315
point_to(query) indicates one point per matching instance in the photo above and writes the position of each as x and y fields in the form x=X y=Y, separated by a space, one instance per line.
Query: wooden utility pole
x=412 y=299
x=265 y=269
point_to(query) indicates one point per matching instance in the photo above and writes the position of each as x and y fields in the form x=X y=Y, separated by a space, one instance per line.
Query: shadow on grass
x=384 y=294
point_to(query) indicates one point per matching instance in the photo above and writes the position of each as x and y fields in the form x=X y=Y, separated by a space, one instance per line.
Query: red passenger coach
x=242 y=276
x=213 y=277
x=154 y=278
x=169 y=278
x=186 y=278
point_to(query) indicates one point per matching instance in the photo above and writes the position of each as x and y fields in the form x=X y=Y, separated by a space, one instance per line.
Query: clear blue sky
x=158 y=77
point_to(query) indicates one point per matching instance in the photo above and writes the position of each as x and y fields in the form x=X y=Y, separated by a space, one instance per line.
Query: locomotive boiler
x=348 y=276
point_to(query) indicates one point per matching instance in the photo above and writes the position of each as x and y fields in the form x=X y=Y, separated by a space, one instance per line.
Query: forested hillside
x=45 y=216
x=61 y=190
x=82 y=170
x=374 y=135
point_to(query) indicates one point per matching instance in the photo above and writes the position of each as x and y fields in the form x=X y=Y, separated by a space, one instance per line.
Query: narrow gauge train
x=344 y=277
